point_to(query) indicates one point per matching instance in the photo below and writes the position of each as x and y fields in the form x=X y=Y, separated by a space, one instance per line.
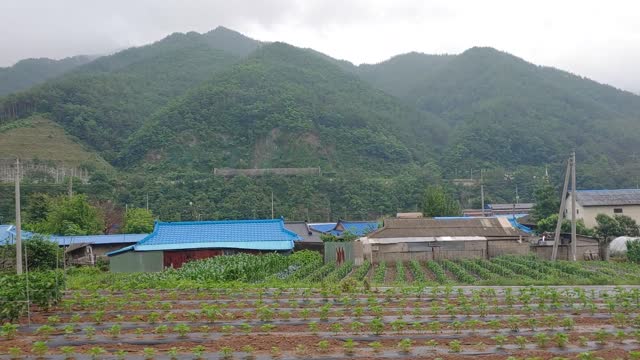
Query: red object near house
x=175 y=259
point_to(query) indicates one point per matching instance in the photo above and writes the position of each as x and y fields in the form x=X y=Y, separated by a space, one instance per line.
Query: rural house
x=172 y=244
x=433 y=239
x=590 y=203
x=88 y=249
x=309 y=239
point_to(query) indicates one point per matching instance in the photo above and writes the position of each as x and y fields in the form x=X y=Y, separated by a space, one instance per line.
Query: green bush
x=633 y=250
x=43 y=289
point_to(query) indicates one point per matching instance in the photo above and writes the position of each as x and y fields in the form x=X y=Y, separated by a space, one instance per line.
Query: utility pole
x=573 y=206
x=272 y=213
x=147 y=201
x=482 y=197
x=18 y=222
x=563 y=204
x=482 y=191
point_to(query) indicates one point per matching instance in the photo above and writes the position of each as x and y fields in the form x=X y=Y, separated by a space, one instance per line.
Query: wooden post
x=563 y=204
x=18 y=222
x=573 y=207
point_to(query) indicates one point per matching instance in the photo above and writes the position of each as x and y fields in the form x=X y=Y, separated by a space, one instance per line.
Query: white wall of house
x=588 y=213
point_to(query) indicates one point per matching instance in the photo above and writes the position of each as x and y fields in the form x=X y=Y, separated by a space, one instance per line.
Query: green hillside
x=507 y=112
x=41 y=139
x=103 y=102
x=30 y=72
x=285 y=107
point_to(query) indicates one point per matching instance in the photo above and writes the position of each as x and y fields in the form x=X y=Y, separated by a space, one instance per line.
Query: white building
x=590 y=203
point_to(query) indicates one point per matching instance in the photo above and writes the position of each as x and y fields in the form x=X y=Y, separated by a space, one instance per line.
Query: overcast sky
x=597 y=39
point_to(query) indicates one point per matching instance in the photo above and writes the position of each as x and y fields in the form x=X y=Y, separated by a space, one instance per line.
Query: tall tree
x=71 y=216
x=547 y=201
x=437 y=202
x=138 y=221
x=609 y=228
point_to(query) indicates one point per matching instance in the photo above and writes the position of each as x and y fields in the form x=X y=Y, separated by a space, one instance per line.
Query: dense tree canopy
x=138 y=221
x=438 y=202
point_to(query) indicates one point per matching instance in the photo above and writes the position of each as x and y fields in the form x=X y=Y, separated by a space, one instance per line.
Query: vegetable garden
x=272 y=307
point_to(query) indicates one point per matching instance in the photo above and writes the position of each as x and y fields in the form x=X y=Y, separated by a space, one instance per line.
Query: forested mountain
x=103 y=102
x=286 y=107
x=504 y=110
x=29 y=72
x=164 y=115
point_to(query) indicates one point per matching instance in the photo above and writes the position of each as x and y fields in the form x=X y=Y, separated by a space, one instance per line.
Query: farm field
x=340 y=315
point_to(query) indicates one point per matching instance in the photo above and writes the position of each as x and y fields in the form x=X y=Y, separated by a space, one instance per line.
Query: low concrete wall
x=426 y=251
x=583 y=251
x=507 y=247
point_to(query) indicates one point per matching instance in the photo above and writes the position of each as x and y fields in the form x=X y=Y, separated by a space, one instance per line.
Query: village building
x=444 y=238
x=590 y=203
x=309 y=239
x=89 y=249
x=172 y=244
x=586 y=248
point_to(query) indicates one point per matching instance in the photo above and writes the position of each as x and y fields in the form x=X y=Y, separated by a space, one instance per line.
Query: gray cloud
x=600 y=41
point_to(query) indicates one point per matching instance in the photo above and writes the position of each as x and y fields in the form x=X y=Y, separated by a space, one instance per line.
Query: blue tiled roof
x=228 y=234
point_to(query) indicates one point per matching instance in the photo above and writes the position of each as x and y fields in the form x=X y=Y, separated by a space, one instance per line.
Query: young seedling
x=95 y=352
x=455 y=346
x=45 y=330
x=161 y=330
x=500 y=340
x=173 y=353
x=198 y=351
x=323 y=346
x=9 y=331
x=15 y=353
x=376 y=346
x=376 y=326
x=541 y=339
x=349 y=346
x=561 y=339
x=121 y=354
x=68 y=352
x=276 y=353
x=149 y=353
x=115 y=331
x=226 y=352
x=249 y=352
x=89 y=332
x=405 y=345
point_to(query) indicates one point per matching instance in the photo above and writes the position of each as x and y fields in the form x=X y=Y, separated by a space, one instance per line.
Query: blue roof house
x=172 y=244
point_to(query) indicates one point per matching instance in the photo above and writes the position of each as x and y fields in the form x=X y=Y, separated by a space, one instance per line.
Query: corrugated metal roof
x=99 y=239
x=608 y=197
x=4 y=233
x=229 y=234
x=415 y=228
x=358 y=228
x=302 y=229
x=322 y=227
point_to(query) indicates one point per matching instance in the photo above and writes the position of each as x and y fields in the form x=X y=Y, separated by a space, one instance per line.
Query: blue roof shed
x=265 y=235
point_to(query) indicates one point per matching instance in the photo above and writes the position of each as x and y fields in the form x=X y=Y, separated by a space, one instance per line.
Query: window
x=617 y=210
